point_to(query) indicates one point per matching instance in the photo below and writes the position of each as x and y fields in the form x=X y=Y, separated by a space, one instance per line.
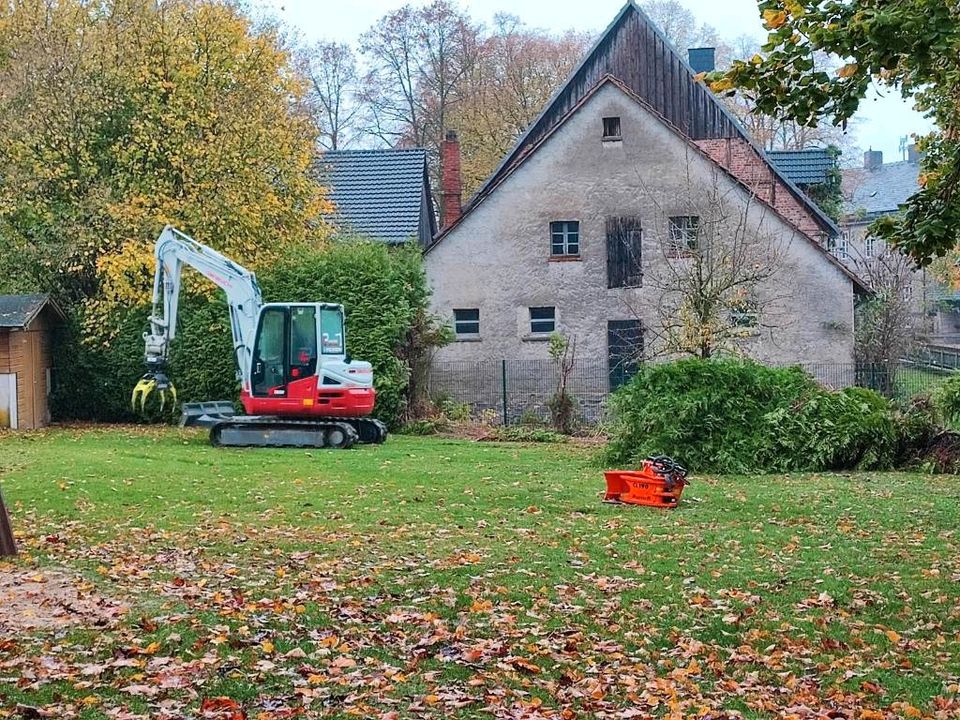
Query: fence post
x=7 y=545
x=503 y=387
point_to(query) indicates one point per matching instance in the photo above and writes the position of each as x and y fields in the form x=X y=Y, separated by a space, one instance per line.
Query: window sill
x=613 y=139
x=468 y=338
x=565 y=258
x=539 y=337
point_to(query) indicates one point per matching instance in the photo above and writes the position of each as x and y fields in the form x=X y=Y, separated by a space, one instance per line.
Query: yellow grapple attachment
x=148 y=384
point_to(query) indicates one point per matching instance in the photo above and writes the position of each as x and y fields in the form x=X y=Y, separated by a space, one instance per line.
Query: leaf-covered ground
x=442 y=578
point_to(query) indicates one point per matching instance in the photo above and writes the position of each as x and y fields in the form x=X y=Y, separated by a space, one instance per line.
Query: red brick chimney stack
x=451 y=187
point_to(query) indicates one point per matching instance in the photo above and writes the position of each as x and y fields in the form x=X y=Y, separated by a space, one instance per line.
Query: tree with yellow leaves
x=119 y=117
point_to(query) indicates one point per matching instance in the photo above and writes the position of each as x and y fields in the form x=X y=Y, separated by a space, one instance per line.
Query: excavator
x=299 y=386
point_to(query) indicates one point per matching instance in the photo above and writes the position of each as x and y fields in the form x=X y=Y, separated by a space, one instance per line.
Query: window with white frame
x=872 y=247
x=684 y=235
x=543 y=320
x=565 y=238
x=843 y=246
x=466 y=322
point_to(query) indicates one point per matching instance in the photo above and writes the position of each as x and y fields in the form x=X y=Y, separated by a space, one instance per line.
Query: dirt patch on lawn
x=50 y=600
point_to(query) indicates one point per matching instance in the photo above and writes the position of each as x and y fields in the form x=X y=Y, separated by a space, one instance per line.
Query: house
x=380 y=194
x=26 y=325
x=568 y=230
x=875 y=190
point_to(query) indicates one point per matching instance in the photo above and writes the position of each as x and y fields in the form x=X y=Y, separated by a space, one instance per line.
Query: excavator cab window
x=269 y=361
x=285 y=350
x=303 y=342
x=331 y=331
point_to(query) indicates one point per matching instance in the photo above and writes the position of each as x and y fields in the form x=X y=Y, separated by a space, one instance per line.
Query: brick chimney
x=872 y=159
x=913 y=153
x=451 y=188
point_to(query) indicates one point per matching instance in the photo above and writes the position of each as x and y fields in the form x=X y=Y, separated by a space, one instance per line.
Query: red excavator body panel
x=305 y=399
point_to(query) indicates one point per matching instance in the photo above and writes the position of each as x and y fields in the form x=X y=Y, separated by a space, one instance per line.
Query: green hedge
x=382 y=289
x=728 y=416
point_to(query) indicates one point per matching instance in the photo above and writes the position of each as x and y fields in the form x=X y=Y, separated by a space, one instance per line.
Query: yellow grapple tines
x=147 y=385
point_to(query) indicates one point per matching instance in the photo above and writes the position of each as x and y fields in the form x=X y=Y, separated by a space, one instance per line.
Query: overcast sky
x=881 y=123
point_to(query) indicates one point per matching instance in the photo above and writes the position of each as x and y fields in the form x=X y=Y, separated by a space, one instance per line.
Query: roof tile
x=377 y=193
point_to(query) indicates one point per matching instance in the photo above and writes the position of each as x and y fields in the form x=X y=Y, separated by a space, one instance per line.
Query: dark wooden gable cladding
x=635 y=53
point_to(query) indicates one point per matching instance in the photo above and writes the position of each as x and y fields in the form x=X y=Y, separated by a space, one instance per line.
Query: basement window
x=611 y=129
x=466 y=322
x=543 y=320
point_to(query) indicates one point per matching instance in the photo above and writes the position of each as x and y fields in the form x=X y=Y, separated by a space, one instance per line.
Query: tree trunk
x=7 y=546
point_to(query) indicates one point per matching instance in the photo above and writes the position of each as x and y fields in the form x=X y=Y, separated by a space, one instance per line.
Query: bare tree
x=418 y=59
x=334 y=85
x=716 y=273
x=890 y=323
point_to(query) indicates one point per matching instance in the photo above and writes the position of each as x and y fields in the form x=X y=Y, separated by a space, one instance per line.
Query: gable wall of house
x=743 y=161
x=498 y=258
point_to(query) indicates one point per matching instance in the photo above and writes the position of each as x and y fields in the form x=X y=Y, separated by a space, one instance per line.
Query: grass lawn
x=445 y=578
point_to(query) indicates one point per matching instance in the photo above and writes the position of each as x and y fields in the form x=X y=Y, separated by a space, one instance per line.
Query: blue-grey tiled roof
x=18 y=311
x=377 y=193
x=804 y=167
x=880 y=191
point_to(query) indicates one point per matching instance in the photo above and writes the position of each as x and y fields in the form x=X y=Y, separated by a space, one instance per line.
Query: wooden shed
x=26 y=326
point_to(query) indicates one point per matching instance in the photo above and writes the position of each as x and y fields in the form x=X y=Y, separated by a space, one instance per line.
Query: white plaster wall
x=498 y=258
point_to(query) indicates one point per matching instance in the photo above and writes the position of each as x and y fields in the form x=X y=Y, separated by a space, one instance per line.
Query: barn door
x=624 y=350
x=8 y=401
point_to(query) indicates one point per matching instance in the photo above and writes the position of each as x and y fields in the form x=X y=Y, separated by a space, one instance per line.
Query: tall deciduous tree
x=120 y=116
x=333 y=95
x=517 y=71
x=418 y=60
x=911 y=47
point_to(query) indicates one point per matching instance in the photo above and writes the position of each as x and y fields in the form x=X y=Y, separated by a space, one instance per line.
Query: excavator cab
x=300 y=366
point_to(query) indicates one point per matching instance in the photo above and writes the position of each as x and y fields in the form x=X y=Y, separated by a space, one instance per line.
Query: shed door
x=8 y=401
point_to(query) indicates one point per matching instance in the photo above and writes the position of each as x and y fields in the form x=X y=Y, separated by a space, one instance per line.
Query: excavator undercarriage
x=272 y=431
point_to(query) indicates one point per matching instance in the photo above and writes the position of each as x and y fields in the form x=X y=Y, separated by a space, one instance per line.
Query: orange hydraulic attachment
x=658 y=483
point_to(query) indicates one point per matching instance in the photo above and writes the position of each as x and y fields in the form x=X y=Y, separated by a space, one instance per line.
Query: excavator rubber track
x=266 y=431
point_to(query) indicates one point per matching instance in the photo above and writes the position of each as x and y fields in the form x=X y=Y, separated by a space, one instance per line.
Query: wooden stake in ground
x=7 y=546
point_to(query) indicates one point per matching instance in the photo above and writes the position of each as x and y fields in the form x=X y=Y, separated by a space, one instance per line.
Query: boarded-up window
x=624 y=239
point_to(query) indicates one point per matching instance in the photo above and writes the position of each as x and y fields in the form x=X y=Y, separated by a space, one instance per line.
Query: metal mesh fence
x=515 y=391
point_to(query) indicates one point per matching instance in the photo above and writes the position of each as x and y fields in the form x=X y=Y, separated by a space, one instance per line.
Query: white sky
x=880 y=124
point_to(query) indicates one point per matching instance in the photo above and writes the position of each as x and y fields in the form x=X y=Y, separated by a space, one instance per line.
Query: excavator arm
x=175 y=249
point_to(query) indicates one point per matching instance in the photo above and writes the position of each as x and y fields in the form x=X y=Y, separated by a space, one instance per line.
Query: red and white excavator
x=299 y=386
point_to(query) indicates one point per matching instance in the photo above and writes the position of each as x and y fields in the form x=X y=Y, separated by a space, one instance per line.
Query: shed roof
x=879 y=191
x=378 y=193
x=804 y=167
x=18 y=311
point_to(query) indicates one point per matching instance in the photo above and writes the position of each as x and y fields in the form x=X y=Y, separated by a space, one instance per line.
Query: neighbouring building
x=567 y=232
x=26 y=325
x=381 y=194
x=879 y=189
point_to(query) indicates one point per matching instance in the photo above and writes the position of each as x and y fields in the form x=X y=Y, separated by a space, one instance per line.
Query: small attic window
x=611 y=128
